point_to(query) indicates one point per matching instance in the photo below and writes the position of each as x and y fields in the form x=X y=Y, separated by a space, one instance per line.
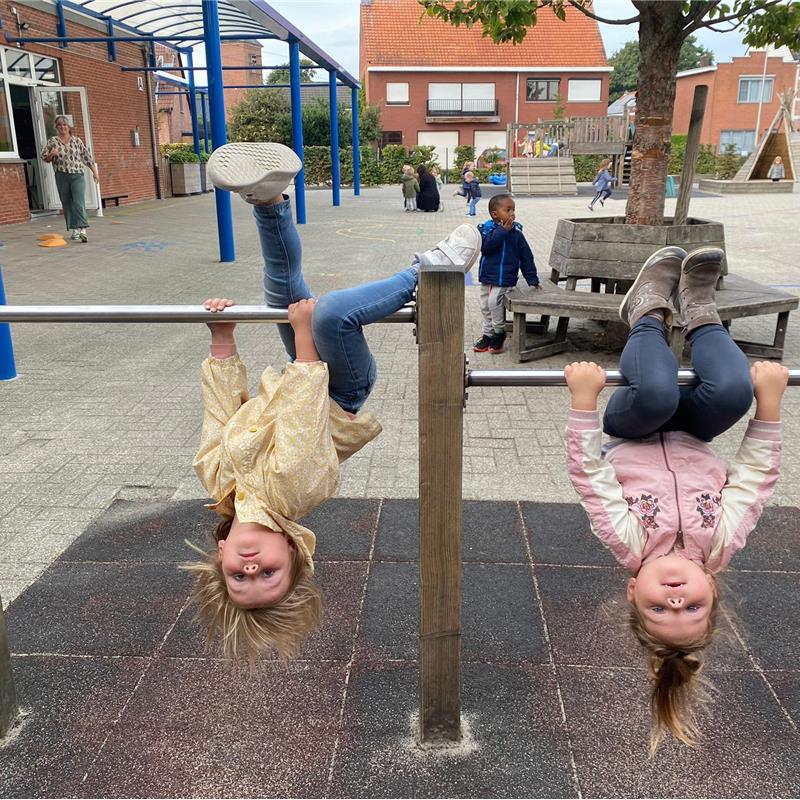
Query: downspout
x=153 y=137
x=516 y=105
x=153 y=132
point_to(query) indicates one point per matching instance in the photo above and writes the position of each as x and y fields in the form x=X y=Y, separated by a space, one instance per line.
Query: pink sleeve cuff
x=759 y=429
x=583 y=420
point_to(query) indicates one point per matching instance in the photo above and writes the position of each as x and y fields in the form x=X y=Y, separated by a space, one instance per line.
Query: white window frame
x=579 y=87
x=397 y=102
x=769 y=84
x=8 y=80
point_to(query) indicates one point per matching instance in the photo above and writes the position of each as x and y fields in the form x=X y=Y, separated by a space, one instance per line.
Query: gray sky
x=333 y=25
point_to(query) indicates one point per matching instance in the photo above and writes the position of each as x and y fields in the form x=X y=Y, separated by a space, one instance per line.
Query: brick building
x=736 y=103
x=445 y=86
x=115 y=103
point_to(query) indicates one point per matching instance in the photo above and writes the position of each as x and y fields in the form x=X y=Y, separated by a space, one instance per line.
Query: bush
x=179 y=153
x=728 y=162
x=464 y=153
x=705 y=157
x=317 y=166
x=263 y=116
x=586 y=167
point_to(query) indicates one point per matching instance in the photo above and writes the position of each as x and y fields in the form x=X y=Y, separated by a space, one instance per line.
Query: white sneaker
x=457 y=253
x=258 y=171
x=75 y=237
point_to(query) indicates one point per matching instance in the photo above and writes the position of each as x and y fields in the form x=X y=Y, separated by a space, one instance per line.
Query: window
x=584 y=91
x=397 y=94
x=45 y=69
x=541 y=90
x=391 y=137
x=6 y=134
x=461 y=98
x=744 y=141
x=749 y=90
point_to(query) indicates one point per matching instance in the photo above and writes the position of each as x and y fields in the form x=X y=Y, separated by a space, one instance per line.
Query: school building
x=445 y=86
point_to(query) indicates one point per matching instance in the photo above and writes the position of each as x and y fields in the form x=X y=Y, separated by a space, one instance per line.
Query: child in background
x=504 y=251
x=657 y=496
x=410 y=188
x=269 y=460
x=468 y=167
x=603 y=180
x=439 y=185
x=473 y=192
x=777 y=171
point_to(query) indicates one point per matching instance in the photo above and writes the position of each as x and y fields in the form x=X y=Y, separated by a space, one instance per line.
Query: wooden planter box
x=580 y=243
x=185 y=178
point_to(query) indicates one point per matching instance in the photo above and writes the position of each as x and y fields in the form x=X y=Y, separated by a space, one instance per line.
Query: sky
x=333 y=26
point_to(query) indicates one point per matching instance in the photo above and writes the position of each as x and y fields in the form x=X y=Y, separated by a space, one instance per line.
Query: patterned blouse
x=274 y=457
x=74 y=154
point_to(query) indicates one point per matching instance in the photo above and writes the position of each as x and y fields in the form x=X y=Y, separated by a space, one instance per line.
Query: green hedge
x=181 y=153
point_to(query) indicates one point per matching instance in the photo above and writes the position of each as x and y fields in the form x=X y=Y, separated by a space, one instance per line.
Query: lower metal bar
x=160 y=314
x=555 y=377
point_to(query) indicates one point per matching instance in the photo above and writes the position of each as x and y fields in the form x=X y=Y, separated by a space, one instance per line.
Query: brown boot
x=655 y=287
x=700 y=272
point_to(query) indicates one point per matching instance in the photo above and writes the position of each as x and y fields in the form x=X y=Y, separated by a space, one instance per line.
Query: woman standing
x=428 y=197
x=68 y=155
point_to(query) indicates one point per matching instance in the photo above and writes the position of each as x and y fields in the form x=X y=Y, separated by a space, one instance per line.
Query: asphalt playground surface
x=121 y=697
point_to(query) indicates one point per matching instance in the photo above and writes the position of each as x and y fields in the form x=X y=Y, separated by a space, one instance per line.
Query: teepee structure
x=779 y=140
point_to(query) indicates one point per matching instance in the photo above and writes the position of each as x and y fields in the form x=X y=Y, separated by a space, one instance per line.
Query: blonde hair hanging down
x=678 y=689
x=252 y=633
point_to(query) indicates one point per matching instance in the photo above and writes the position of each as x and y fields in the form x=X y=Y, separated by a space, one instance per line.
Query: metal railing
x=463 y=108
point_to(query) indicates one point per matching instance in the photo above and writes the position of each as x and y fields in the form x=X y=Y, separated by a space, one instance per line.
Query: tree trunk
x=660 y=38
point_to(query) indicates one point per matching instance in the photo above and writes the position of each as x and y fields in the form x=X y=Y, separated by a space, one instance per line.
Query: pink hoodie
x=643 y=493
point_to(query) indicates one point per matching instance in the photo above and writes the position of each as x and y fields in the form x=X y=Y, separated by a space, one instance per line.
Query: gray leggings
x=72 y=191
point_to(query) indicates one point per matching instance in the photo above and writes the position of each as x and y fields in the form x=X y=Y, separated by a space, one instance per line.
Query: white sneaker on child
x=258 y=171
x=456 y=253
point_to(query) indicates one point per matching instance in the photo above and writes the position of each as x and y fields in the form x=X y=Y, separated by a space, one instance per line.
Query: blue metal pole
x=61 y=22
x=297 y=129
x=112 y=47
x=8 y=370
x=356 y=145
x=205 y=121
x=193 y=112
x=332 y=100
x=219 y=131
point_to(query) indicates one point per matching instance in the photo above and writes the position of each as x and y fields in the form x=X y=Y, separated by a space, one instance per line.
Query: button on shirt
x=274 y=458
x=74 y=154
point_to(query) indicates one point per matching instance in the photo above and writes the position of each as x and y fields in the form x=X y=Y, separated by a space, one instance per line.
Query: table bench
x=115 y=197
x=737 y=297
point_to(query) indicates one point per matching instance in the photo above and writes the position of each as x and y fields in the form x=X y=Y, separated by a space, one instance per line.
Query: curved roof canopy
x=184 y=18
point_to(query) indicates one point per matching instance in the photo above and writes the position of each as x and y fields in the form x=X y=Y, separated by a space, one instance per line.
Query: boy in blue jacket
x=504 y=251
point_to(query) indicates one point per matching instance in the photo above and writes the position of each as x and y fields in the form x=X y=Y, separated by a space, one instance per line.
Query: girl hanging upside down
x=657 y=497
x=269 y=460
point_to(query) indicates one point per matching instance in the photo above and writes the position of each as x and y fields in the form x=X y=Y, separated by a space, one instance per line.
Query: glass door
x=70 y=101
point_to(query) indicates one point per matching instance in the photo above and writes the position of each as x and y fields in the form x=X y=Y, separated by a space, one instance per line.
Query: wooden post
x=690 y=156
x=440 y=333
x=8 y=696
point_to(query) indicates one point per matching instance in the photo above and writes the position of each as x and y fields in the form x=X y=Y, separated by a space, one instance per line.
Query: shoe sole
x=475 y=236
x=242 y=166
x=659 y=255
x=480 y=349
x=693 y=260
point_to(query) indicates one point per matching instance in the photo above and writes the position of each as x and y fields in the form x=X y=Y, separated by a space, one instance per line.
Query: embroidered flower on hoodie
x=708 y=505
x=646 y=508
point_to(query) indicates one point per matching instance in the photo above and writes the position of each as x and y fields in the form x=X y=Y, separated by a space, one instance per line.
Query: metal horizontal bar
x=555 y=377
x=143 y=38
x=203 y=69
x=159 y=314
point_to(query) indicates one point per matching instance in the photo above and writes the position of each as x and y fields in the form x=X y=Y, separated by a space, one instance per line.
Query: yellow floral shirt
x=275 y=457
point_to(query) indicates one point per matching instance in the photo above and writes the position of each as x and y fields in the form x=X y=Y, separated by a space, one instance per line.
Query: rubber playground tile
x=200 y=729
x=773 y=543
x=587 y=611
x=98 y=609
x=749 y=748
x=342 y=587
x=786 y=685
x=766 y=610
x=500 y=619
x=145 y=531
x=344 y=528
x=491 y=532
x=560 y=534
x=71 y=704
x=515 y=743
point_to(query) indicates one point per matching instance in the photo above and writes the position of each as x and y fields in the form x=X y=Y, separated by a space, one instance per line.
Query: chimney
x=705 y=60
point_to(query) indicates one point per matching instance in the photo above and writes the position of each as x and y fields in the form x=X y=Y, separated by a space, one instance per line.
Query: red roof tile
x=393 y=34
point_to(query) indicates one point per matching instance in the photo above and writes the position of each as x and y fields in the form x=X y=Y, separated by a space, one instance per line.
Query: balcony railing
x=463 y=108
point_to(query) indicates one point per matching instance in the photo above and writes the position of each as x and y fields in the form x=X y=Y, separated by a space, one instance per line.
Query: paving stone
x=774 y=544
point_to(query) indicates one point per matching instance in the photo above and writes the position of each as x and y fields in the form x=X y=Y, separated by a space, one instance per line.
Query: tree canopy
x=625 y=61
x=281 y=75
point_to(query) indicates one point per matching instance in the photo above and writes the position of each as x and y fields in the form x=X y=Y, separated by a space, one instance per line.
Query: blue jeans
x=339 y=316
x=653 y=401
x=471 y=206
